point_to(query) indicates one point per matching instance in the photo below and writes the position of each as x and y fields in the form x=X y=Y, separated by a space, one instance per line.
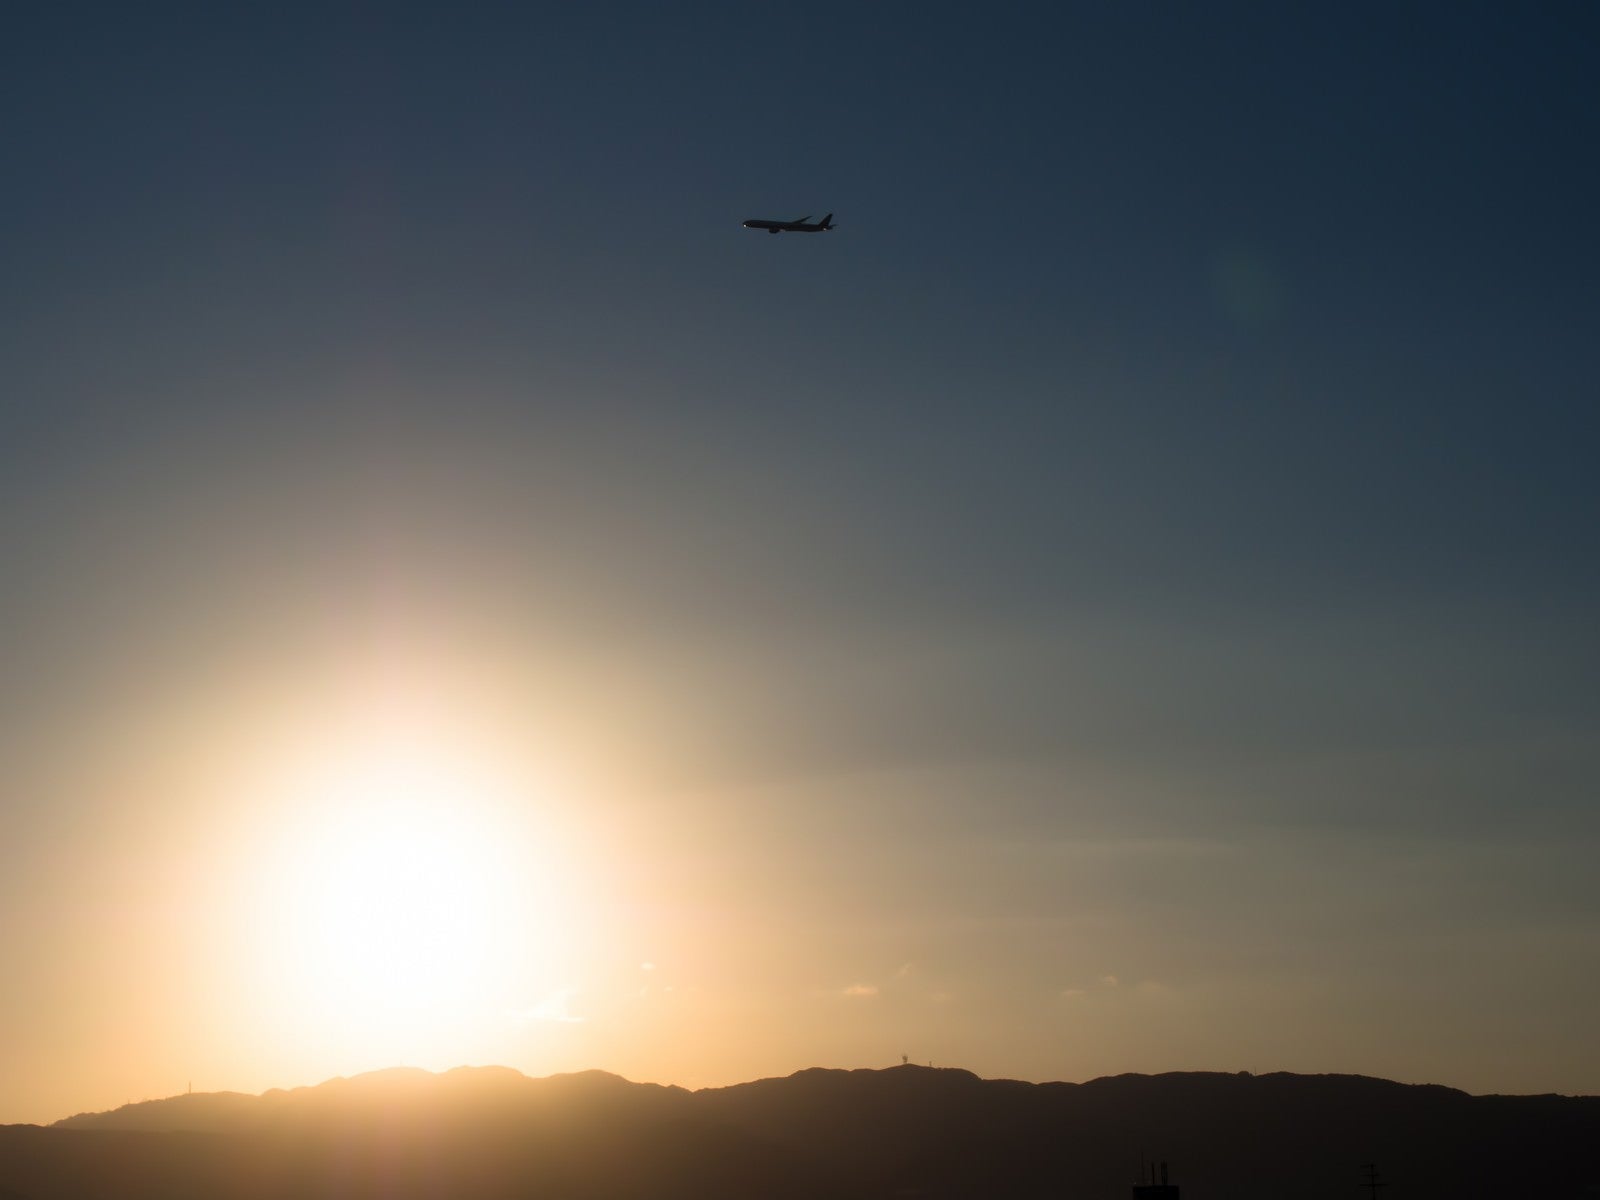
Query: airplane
x=799 y=226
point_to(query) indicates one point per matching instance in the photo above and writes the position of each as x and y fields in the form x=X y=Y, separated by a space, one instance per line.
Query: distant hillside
x=492 y=1133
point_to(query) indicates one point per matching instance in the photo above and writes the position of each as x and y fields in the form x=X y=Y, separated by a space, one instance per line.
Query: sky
x=1122 y=601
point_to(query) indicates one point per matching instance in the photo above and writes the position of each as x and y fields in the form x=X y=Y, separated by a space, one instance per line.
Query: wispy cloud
x=554 y=1007
x=860 y=991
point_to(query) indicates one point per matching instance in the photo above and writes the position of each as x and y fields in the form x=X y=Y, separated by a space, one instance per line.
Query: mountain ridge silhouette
x=903 y=1132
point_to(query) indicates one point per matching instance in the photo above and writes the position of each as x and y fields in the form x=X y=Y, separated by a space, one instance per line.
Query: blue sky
x=1148 y=541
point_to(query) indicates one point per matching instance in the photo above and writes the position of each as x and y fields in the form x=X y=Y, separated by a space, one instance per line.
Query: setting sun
x=397 y=893
x=407 y=904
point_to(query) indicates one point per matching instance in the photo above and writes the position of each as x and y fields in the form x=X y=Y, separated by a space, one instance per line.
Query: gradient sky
x=1123 y=601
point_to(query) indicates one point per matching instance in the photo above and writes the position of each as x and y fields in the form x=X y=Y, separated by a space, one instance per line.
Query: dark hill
x=492 y=1133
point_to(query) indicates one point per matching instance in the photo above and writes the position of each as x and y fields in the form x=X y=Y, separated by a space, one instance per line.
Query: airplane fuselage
x=800 y=226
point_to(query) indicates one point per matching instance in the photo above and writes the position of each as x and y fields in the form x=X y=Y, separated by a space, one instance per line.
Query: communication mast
x=1153 y=1190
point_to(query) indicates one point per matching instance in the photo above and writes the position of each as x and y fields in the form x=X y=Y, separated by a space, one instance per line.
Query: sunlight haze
x=1121 y=600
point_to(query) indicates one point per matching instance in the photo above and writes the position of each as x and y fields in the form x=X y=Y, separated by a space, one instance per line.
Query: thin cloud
x=861 y=991
x=553 y=1007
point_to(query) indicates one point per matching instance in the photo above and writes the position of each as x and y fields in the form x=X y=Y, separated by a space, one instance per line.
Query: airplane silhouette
x=799 y=226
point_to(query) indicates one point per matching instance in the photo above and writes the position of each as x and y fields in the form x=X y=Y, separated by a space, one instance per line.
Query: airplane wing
x=802 y=220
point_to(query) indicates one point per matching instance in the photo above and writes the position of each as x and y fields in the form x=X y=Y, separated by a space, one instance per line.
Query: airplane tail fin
x=827 y=221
